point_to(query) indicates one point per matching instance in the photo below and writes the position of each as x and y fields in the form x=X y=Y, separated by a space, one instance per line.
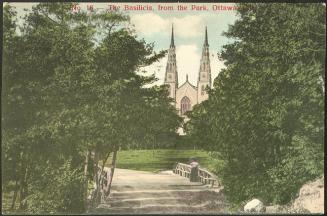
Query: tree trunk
x=105 y=161
x=96 y=178
x=322 y=80
x=15 y=195
x=95 y=167
x=154 y=144
x=86 y=163
x=153 y=149
x=113 y=165
x=23 y=188
x=22 y=182
x=99 y=192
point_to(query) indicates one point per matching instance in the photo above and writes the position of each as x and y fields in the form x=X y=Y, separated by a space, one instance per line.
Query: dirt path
x=142 y=192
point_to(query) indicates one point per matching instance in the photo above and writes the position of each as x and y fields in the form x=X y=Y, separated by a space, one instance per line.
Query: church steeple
x=172 y=44
x=171 y=77
x=204 y=71
x=206 y=38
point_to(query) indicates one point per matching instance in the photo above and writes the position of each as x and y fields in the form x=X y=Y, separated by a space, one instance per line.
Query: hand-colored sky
x=189 y=25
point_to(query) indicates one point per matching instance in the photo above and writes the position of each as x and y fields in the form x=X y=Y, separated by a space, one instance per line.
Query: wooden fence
x=204 y=175
x=104 y=179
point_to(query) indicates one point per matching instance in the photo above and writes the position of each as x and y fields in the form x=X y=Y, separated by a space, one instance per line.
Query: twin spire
x=193 y=94
x=172 y=42
x=171 y=68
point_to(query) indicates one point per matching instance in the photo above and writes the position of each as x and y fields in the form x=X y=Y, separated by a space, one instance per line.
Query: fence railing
x=104 y=179
x=204 y=175
x=182 y=170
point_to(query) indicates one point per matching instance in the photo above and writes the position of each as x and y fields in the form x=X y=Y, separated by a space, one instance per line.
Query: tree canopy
x=68 y=92
x=264 y=117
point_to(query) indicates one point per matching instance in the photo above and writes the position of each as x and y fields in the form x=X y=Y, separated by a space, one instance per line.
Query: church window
x=203 y=75
x=169 y=76
x=203 y=90
x=185 y=105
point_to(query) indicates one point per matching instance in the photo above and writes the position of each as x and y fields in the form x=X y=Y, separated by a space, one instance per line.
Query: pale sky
x=189 y=25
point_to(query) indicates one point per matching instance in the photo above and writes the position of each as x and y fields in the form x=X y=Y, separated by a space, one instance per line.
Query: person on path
x=194 y=170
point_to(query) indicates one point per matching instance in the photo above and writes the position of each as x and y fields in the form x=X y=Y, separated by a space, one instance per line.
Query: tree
x=265 y=113
x=132 y=115
x=42 y=97
x=70 y=101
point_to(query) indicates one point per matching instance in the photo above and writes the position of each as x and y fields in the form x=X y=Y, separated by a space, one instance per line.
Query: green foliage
x=38 y=143
x=307 y=165
x=198 y=129
x=264 y=116
x=65 y=95
x=57 y=191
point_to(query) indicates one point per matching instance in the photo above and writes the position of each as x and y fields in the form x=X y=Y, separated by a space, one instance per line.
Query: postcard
x=163 y=108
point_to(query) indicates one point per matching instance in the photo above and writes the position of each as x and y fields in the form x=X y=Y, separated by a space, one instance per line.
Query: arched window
x=185 y=105
x=203 y=88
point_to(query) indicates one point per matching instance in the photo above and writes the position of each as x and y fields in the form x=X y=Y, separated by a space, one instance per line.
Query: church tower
x=171 y=77
x=204 y=72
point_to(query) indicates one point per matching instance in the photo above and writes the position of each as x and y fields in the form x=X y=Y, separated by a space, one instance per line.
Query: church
x=187 y=95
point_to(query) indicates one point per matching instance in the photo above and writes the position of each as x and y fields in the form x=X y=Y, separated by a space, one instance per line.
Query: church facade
x=187 y=95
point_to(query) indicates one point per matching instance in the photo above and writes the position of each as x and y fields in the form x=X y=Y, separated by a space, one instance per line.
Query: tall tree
x=131 y=114
x=265 y=113
x=69 y=102
x=42 y=101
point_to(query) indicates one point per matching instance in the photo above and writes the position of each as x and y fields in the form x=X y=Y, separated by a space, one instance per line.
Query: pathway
x=139 y=192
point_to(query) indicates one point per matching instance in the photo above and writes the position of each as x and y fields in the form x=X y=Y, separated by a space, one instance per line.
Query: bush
x=58 y=190
x=300 y=165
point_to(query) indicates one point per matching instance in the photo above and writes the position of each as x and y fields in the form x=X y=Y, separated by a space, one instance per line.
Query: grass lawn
x=160 y=159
